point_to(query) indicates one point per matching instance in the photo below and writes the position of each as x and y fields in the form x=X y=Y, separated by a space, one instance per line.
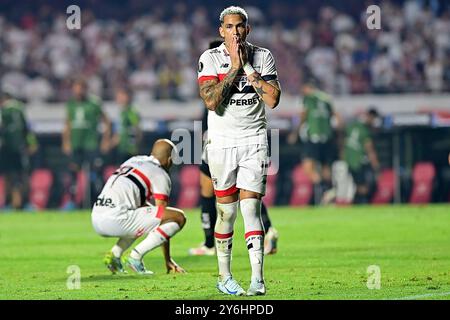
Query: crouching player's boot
x=113 y=263
x=138 y=266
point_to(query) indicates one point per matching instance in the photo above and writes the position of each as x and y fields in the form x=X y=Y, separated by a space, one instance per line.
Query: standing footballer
x=236 y=81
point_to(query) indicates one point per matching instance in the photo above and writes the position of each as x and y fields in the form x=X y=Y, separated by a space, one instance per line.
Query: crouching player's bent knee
x=173 y=220
x=174 y=215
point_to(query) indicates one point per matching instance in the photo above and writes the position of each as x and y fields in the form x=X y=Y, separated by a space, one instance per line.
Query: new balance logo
x=224 y=65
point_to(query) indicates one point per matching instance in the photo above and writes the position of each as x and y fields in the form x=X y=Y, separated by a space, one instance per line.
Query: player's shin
x=155 y=238
x=121 y=246
x=254 y=235
x=223 y=234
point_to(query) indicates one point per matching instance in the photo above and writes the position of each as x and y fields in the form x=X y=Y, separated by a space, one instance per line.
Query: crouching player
x=123 y=210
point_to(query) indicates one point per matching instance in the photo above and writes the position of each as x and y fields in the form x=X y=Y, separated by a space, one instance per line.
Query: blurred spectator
x=360 y=155
x=317 y=131
x=127 y=137
x=382 y=70
x=81 y=139
x=156 y=50
x=434 y=71
x=17 y=143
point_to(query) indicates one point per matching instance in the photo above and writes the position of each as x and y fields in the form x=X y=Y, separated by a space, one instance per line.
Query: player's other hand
x=243 y=52
x=173 y=267
x=235 y=54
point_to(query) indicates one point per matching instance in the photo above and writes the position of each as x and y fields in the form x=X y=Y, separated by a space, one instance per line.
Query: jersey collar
x=154 y=160
x=224 y=50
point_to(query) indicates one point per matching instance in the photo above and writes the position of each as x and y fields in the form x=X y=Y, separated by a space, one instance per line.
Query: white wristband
x=248 y=69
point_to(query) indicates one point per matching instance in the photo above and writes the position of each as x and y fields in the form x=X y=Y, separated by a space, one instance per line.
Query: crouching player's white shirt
x=237 y=146
x=122 y=208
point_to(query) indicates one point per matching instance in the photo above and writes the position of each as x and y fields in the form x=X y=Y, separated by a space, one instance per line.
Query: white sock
x=121 y=246
x=254 y=235
x=154 y=239
x=223 y=234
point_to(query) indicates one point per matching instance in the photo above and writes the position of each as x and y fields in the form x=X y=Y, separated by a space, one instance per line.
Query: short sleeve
x=206 y=69
x=161 y=187
x=269 y=71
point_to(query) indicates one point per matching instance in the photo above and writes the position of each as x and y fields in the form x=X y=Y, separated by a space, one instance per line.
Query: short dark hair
x=373 y=112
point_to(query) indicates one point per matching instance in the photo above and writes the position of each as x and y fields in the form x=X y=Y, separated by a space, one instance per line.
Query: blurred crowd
x=156 y=51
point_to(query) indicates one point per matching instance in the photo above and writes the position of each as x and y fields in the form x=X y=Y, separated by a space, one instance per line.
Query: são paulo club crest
x=241 y=82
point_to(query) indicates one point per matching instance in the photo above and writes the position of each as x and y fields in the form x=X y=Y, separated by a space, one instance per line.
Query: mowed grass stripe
x=323 y=254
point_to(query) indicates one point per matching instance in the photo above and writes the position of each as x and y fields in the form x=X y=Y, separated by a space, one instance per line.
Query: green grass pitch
x=324 y=253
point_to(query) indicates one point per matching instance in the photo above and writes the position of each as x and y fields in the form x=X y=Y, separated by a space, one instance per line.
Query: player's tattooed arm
x=269 y=91
x=214 y=92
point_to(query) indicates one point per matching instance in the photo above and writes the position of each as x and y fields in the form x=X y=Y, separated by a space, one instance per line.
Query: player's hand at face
x=173 y=267
x=234 y=53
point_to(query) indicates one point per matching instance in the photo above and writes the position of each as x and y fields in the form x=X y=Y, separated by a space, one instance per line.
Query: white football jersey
x=240 y=119
x=136 y=181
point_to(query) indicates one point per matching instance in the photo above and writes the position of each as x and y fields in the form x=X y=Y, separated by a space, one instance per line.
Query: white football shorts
x=131 y=224
x=240 y=167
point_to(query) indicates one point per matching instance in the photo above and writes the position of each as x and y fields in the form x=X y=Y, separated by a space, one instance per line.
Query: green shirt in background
x=356 y=135
x=128 y=130
x=15 y=135
x=84 y=117
x=319 y=112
